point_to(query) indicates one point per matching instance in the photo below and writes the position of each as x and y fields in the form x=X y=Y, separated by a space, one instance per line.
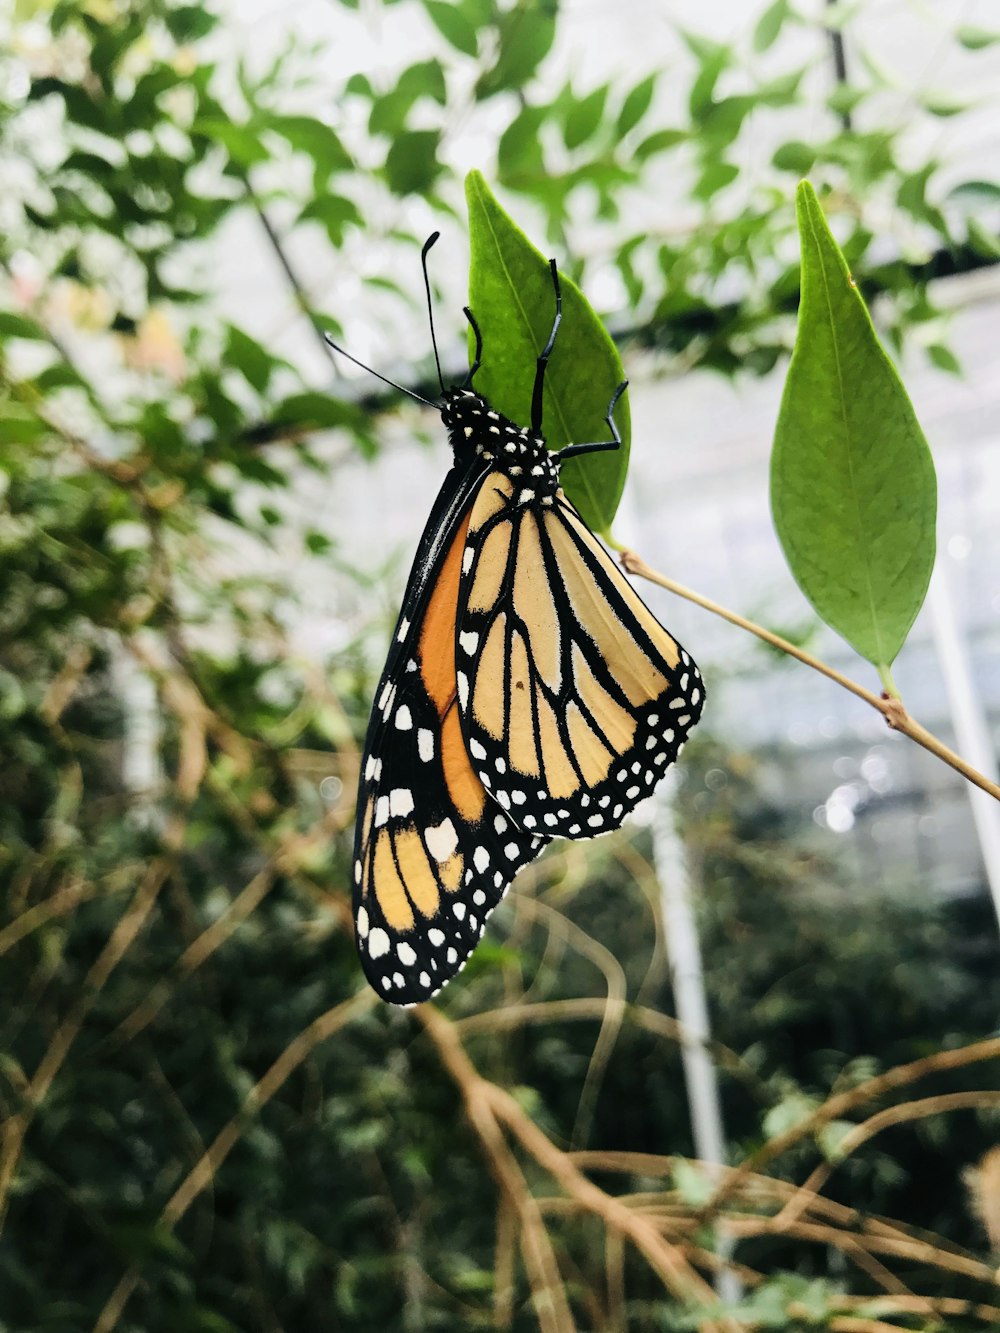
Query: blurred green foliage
x=169 y=936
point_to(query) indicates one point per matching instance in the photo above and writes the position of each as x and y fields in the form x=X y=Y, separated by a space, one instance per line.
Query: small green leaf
x=944 y=358
x=769 y=25
x=411 y=164
x=636 y=104
x=252 y=361
x=526 y=34
x=510 y=293
x=983 y=241
x=240 y=141
x=715 y=177
x=334 y=213
x=314 y=137
x=794 y=156
x=831 y=1136
x=693 y=1182
x=519 y=152
x=660 y=141
x=453 y=26
x=19 y=326
x=975 y=39
x=853 y=489
x=584 y=117
x=943 y=105
x=976 y=192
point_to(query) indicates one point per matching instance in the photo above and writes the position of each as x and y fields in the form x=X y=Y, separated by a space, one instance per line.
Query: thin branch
x=836 y=1107
x=860 y=1134
x=896 y=716
x=203 y=1173
x=295 y=282
x=664 y=1258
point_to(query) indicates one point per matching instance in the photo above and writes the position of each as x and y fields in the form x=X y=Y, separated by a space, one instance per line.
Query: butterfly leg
x=543 y=360
x=599 y=446
x=478 y=360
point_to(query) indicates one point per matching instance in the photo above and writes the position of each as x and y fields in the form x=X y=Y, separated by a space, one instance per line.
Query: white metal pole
x=684 y=955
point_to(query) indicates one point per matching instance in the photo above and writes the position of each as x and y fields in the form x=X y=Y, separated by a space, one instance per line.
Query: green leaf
x=975 y=39
x=636 y=104
x=715 y=177
x=19 y=326
x=411 y=164
x=453 y=26
x=252 y=361
x=853 y=489
x=240 y=141
x=510 y=293
x=334 y=213
x=976 y=192
x=943 y=105
x=189 y=22
x=794 y=156
x=584 y=117
x=660 y=141
x=314 y=137
x=944 y=358
x=519 y=152
x=769 y=25
x=526 y=34
x=983 y=241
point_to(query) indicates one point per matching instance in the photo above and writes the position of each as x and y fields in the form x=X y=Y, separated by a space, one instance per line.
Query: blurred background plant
x=207 y=1126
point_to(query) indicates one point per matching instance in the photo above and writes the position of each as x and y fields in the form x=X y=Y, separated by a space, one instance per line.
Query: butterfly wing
x=433 y=854
x=574 y=699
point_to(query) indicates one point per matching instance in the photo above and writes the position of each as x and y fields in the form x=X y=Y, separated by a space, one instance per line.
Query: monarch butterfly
x=528 y=694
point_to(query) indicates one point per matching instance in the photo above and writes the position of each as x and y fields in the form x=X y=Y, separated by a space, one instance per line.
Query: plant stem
x=889 y=704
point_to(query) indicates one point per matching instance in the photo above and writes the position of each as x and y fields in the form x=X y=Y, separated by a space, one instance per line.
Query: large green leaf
x=853 y=488
x=510 y=293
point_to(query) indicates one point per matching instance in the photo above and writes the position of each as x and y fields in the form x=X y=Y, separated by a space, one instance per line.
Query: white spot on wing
x=362 y=922
x=425 y=744
x=441 y=840
x=400 y=801
x=481 y=858
x=476 y=750
x=463 y=688
x=404 y=629
x=381 y=811
x=469 y=640
x=406 y=954
x=404 y=720
x=378 y=942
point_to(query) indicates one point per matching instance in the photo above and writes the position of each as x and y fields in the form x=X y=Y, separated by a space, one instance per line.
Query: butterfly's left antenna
x=384 y=378
x=430 y=306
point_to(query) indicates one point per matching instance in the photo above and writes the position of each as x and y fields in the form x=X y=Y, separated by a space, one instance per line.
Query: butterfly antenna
x=430 y=307
x=385 y=380
x=543 y=360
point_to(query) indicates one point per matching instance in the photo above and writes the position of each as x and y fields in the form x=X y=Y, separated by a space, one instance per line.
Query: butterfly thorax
x=479 y=435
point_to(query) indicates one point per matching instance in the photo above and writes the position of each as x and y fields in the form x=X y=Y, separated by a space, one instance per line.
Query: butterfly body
x=528 y=694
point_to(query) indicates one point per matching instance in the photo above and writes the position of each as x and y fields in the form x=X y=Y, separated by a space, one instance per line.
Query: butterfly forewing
x=574 y=699
x=433 y=853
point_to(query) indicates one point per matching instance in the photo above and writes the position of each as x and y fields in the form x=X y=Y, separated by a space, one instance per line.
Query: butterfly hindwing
x=575 y=699
x=434 y=854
